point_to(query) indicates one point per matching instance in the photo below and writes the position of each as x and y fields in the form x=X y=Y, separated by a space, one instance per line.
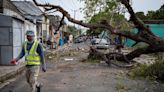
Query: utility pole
x=74 y=12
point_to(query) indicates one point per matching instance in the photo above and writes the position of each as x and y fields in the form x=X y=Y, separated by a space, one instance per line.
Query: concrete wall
x=5 y=39
x=157 y=29
x=18 y=36
x=11 y=38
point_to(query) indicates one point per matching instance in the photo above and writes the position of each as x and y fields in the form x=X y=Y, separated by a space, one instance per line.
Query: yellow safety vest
x=32 y=57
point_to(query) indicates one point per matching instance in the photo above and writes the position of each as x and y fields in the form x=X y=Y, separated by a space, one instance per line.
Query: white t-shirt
x=70 y=37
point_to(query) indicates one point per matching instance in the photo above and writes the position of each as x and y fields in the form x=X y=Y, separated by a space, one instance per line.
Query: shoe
x=39 y=87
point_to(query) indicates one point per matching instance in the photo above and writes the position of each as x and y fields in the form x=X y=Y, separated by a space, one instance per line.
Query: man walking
x=34 y=57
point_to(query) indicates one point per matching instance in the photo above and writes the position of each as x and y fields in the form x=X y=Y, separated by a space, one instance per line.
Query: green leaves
x=152 y=15
x=110 y=10
x=72 y=30
x=93 y=7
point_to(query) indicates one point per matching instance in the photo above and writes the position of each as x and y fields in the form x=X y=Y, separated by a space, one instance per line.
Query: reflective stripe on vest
x=32 y=58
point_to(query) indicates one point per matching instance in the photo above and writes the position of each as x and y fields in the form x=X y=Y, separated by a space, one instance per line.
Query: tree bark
x=136 y=53
x=155 y=44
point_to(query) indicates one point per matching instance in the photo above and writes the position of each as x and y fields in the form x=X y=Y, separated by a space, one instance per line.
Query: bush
x=138 y=70
x=155 y=71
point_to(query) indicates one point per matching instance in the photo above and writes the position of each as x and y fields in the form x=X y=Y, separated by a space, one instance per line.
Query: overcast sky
x=145 y=5
x=73 y=6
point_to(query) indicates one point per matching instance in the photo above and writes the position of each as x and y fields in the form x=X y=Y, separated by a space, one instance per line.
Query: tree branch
x=105 y=24
x=48 y=9
x=65 y=13
x=140 y=51
x=156 y=44
x=139 y=24
x=61 y=23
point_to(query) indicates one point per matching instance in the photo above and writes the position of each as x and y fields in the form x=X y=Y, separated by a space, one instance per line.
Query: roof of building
x=7 y=4
x=153 y=21
x=28 y=8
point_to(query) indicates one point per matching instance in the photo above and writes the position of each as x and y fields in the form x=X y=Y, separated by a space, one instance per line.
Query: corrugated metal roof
x=27 y=8
x=153 y=21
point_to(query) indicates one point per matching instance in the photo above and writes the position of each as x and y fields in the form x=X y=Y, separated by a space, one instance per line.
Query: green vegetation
x=93 y=60
x=120 y=88
x=110 y=10
x=154 y=71
x=152 y=15
x=72 y=30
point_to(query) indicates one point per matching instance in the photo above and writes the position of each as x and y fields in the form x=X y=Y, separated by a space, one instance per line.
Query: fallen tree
x=154 y=43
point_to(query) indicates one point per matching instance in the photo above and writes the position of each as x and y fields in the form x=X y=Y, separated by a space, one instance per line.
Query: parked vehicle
x=99 y=43
x=80 y=39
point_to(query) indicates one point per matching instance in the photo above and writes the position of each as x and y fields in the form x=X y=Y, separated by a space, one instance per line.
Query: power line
x=74 y=12
x=64 y=4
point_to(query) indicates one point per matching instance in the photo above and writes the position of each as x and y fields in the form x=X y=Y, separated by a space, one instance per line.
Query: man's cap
x=30 y=33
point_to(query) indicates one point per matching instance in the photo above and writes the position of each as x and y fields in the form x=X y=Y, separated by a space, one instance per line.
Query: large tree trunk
x=155 y=44
x=136 y=53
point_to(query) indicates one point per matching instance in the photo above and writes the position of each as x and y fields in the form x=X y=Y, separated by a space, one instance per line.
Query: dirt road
x=67 y=74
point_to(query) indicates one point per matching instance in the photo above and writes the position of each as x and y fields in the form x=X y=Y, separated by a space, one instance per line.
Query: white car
x=99 y=43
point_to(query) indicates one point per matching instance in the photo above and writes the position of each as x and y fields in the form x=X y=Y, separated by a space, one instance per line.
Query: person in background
x=70 y=39
x=118 y=43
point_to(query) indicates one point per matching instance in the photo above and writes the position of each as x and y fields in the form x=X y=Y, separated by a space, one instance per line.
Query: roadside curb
x=10 y=73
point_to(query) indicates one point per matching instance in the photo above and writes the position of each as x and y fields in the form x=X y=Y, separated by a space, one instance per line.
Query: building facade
x=156 y=26
x=11 y=31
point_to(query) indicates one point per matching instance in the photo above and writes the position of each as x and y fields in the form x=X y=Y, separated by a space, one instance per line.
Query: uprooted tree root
x=110 y=58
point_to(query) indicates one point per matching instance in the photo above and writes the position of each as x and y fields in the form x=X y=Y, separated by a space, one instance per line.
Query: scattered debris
x=50 y=57
x=68 y=59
